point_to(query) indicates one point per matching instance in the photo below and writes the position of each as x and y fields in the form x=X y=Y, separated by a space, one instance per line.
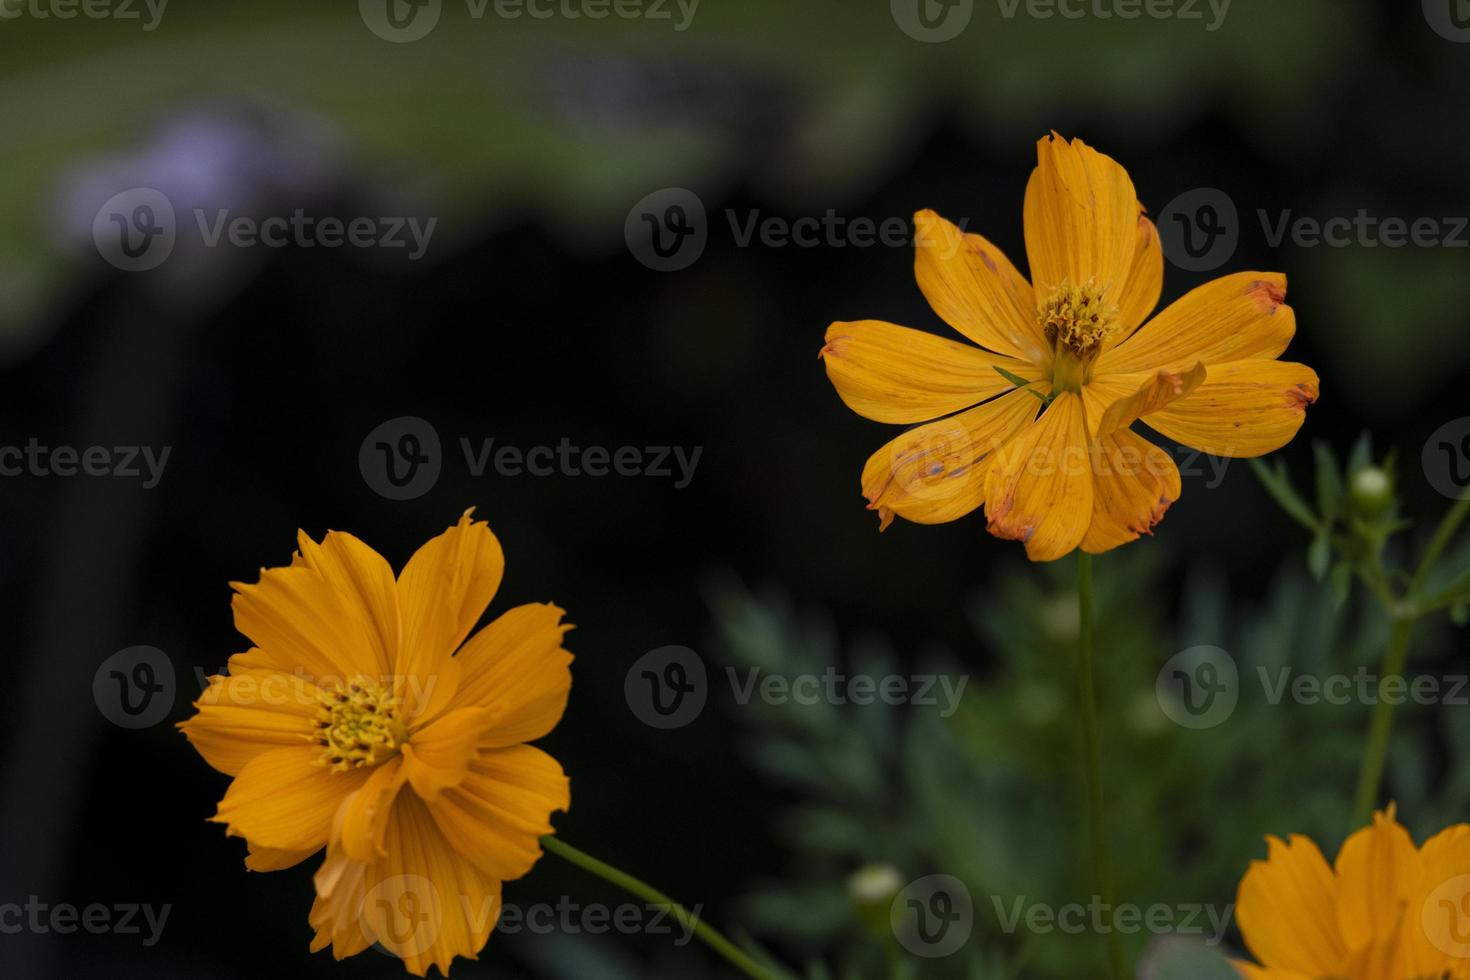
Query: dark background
x=529 y=321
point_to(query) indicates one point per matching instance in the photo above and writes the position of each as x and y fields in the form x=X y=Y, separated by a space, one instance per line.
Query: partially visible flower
x=1072 y=346
x=363 y=721
x=1386 y=911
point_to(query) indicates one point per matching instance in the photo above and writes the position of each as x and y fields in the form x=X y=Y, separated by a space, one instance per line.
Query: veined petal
x=1144 y=285
x=975 y=289
x=1377 y=872
x=936 y=472
x=1133 y=483
x=358 y=572
x=517 y=669
x=1243 y=408
x=1039 y=488
x=284 y=799
x=1285 y=909
x=438 y=755
x=362 y=818
x=442 y=592
x=299 y=620
x=890 y=373
x=250 y=712
x=421 y=901
x=272 y=859
x=497 y=815
x=1250 y=971
x=1081 y=219
x=1436 y=924
x=1230 y=319
x=1152 y=394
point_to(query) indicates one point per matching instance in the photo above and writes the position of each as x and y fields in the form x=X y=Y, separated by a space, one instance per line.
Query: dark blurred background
x=533 y=316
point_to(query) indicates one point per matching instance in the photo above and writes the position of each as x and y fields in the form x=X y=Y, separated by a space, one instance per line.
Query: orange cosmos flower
x=353 y=724
x=1055 y=463
x=1387 y=911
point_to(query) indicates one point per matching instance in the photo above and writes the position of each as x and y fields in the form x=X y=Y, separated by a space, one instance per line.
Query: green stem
x=1370 y=776
x=1448 y=525
x=1102 y=868
x=737 y=957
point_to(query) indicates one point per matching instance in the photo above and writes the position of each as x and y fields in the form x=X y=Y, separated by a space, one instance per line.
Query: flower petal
x=1377 y=871
x=975 y=289
x=1039 y=488
x=1244 y=408
x=438 y=755
x=1285 y=909
x=1434 y=934
x=1144 y=285
x=442 y=591
x=1081 y=219
x=516 y=667
x=1155 y=392
x=1230 y=319
x=936 y=472
x=362 y=818
x=496 y=817
x=890 y=373
x=1134 y=483
x=285 y=799
x=272 y=859
x=300 y=620
x=248 y=712
x=354 y=570
x=421 y=902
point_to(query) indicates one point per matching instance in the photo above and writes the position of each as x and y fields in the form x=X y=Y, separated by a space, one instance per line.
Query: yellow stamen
x=358 y=725
x=1076 y=320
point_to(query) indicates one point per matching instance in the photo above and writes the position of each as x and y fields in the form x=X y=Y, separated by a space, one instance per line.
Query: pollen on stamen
x=358 y=726
x=1077 y=318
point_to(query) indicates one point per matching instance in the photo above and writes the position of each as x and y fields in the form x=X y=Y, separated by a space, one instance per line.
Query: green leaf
x=1361 y=456
x=1341 y=584
x=1022 y=383
x=1275 y=480
x=1319 y=555
x=1329 y=482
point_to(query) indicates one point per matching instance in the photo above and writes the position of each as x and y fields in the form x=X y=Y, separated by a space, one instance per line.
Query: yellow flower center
x=1076 y=320
x=358 y=725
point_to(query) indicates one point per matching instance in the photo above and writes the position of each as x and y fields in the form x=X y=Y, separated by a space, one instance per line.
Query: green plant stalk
x=712 y=938
x=1101 y=866
x=1370 y=776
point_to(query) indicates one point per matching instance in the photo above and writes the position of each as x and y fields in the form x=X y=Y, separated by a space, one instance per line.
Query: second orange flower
x=1034 y=423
